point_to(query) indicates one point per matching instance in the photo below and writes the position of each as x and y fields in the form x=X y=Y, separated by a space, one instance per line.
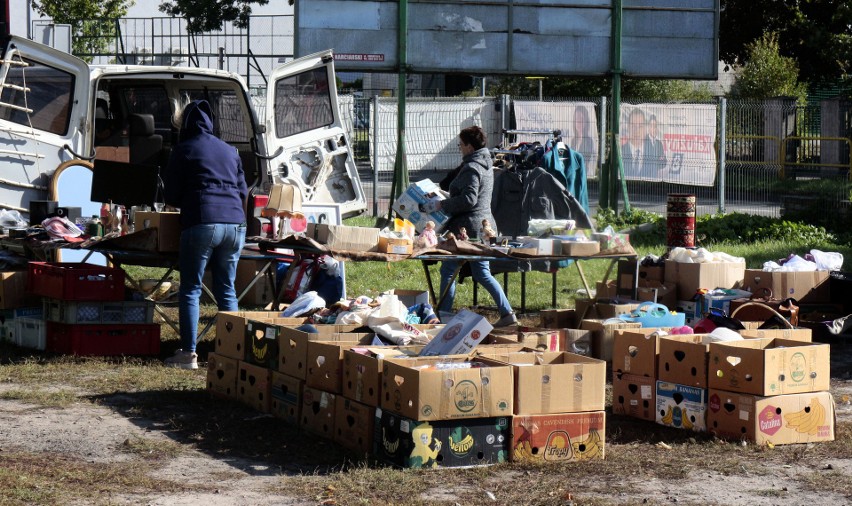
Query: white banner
x=577 y=121
x=669 y=142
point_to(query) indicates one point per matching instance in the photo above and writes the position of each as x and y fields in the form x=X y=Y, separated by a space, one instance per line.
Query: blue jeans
x=217 y=245
x=482 y=275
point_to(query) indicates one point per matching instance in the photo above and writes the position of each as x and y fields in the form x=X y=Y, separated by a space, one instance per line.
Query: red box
x=100 y=339
x=75 y=281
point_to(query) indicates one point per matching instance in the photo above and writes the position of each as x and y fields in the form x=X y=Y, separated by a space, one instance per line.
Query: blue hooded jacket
x=204 y=177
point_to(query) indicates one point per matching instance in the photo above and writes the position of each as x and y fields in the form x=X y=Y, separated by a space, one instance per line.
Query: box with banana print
x=778 y=419
x=558 y=437
x=681 y=406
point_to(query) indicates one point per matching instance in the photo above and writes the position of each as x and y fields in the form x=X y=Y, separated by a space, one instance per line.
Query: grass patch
x=61 y=479
x=47 y=398
x=149 y=448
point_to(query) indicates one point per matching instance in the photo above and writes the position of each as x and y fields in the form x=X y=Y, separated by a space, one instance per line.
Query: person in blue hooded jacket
x=205 y=179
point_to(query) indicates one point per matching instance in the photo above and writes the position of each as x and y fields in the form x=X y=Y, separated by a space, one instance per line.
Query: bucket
x=680 y=220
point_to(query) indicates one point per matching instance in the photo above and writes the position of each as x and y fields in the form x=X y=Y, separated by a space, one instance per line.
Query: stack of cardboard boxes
x=452 y=403
x=772 y=386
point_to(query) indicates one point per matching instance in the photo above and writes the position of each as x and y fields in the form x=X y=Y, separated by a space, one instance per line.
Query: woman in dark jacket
x=205 y=180
x=468 y=205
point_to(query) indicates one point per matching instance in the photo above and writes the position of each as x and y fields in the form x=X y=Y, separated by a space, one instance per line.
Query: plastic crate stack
x=21 y=320
x=85 y=312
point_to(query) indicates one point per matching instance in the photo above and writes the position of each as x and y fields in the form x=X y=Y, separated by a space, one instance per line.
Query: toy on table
x=463 y=234
x=427 y=237
x=488 y=233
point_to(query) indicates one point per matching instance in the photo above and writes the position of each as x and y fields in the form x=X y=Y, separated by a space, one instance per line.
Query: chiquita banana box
x=558 y=438
x=779 y=419
x=681 y=406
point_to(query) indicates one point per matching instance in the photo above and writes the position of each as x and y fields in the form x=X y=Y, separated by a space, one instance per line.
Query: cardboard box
x=690 y=277
x=555 y=382
x=536 y=246
x=468 y=442
x=802 y=335
x=318 y=412
x=263 y=290
x=769 y=366
x=580 y=248
x=662 y=293
x=354 y=425
x=261 y=344
x=411 y=297
x=779 y=419
x=13 y=291
x=600 y=310
x=362 y=370
x=396 y=245
x=681 y=406
x=222 y=376
x=324 y=363
x=254 y=386
x=635 y=351
x=284 y=197
x=603 y=335
x=408 y=205
x=293 y=356
x=459 y=336
x=577 y=341
x=286 y=394
x=167 y=225
x=231 y=329
x=634 y=396
x=808 y=287
x=558 y=438
x=434 y=388
x=684 y=359
x=344 y=238
x=532 y=337
x=652 y=272
x=558 y=318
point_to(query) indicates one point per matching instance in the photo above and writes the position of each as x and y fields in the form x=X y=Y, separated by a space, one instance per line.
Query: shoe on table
x=183 y=360
x=507 y=320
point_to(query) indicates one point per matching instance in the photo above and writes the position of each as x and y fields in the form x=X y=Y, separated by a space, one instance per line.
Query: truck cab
x=56 y=111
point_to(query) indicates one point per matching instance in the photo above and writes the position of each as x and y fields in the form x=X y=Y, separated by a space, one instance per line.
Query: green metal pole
x=616 y=167
x=400 y=167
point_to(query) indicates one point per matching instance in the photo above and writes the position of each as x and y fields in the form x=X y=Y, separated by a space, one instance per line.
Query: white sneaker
x=183 y=360
x=507 y=320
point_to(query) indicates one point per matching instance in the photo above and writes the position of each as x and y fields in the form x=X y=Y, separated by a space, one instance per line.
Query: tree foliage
x=766 y=73
x=211 y=15
x=813 y=32
x=93 y=23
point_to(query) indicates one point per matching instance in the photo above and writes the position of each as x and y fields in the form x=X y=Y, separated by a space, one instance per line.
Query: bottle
x=95 y=228
x=106 y=218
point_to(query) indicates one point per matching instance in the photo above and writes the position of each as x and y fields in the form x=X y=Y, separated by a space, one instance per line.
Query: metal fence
x=767 y=146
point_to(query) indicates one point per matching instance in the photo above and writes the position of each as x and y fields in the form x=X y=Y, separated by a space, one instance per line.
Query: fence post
x=505 y=100
x=602 y=142
x=723 y=112
x=374 y=160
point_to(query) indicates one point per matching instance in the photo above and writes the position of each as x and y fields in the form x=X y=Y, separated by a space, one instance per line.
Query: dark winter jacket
x=204 y=177
x=470 y=194
x=523 y=195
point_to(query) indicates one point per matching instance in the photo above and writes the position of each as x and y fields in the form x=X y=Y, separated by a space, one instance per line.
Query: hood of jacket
x=197 y=119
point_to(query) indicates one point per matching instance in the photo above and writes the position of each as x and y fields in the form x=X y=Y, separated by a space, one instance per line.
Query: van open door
x=305 y=133
x=44 y=117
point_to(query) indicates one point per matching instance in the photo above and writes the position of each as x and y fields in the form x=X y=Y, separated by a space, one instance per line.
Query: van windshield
x=302 y=103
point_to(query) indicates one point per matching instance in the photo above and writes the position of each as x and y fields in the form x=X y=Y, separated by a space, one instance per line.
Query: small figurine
x=463 y=234
x=488 y=233
x=427 y=237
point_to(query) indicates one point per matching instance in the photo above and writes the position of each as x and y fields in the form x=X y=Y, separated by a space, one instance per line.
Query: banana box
x=231 y=329
x=253 y=386
x=467 y=442
x=286 y=393
x=353 y=427
x=684 y=359
x=778 y=419
x=635 y=351
x=318 y=412
x=769 y=366
x=634 y=396
x=362 y=370
x=222 y=376
x=681 y=406
x=558 y=438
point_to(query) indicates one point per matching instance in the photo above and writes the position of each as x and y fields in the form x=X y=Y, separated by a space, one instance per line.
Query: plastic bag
x=12 y=219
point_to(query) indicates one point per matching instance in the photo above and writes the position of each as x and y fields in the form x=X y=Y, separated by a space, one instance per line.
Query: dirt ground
x=98 y=432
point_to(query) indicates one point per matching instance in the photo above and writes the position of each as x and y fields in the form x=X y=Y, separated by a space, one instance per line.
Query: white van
x=56 y=111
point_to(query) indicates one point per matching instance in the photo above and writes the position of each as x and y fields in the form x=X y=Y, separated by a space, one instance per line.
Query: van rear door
x=44 y=117
x=305 y=133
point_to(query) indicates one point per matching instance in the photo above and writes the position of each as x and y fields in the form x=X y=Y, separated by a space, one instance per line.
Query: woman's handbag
x=651 y=314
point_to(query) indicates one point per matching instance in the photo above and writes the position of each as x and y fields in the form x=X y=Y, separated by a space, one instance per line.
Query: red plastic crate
x=100 y=339
x=75 y=281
